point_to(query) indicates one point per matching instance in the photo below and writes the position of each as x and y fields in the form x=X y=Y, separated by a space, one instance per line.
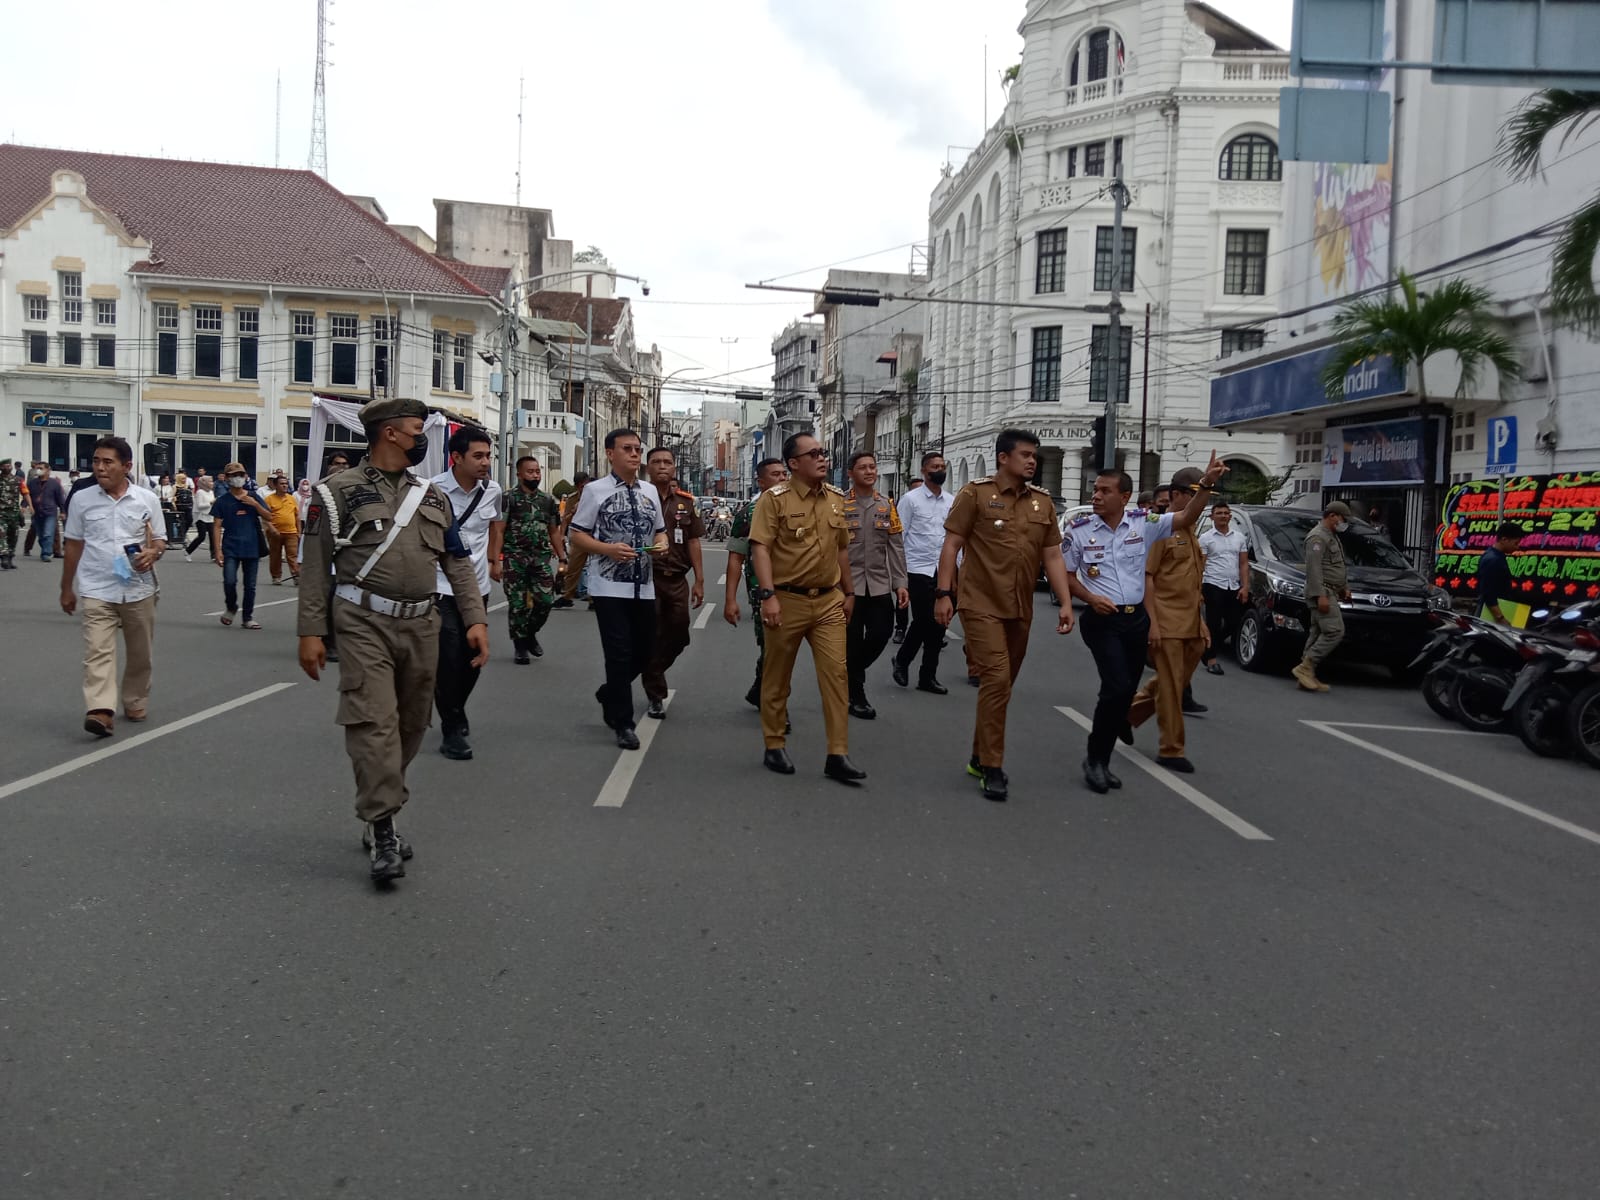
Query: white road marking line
x=704 y=618
x=723 y=578
x=266 y=604
x=1161 y=775
x=1465 y=785
x=1402 y=728
x=620 y=780
x=133 y=743
x=498 y=607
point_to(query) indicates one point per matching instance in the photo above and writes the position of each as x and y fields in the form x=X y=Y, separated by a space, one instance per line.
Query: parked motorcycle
x=1563 y=658
x=1469 y=668
x=1583 y=724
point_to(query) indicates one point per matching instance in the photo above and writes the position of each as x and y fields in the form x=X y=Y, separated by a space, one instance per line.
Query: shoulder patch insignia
x=359 y=496
x=830 y=488
x=314 y=518
x=434 y=499
x=1152 y=517
x=985 y=479
x=780 y=490
x=1034 y=487
x=1080 y=522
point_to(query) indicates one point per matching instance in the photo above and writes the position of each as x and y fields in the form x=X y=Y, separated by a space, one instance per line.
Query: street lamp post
x=389 y=339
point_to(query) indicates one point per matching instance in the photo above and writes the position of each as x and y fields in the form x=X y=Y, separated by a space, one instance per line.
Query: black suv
x=1386 y=621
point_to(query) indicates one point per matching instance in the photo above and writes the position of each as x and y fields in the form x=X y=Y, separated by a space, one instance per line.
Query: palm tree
x=1411 y=328
x=1522 y=138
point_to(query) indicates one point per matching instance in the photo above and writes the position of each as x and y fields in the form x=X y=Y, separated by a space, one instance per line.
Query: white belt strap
x=402 y=518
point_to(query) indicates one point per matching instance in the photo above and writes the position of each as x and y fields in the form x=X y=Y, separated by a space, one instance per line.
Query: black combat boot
x=386 y=861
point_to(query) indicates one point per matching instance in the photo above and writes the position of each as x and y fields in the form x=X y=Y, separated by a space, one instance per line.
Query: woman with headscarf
x=201 y=499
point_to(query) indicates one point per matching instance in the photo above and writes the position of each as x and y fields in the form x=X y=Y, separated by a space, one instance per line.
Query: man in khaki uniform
x=1004 y=528
x=1174 y=569
x=383 y=530
x=800 y=547
x=674 y=597
x=877 y=575
x=1327 y=582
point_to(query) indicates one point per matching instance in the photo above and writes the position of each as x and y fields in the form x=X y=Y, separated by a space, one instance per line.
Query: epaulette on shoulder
x=778 y=490
x=828 y=487
x=681 y=492
x=1034 y=487
x=1080 y=522
x=984 y=479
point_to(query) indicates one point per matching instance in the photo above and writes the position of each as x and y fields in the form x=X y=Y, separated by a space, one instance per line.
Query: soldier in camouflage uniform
x=533 y=545
x=13 y=495
x=769 y=473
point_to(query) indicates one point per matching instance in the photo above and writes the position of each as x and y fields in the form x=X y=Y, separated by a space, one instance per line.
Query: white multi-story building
x=1186 y=101
x=796 y=374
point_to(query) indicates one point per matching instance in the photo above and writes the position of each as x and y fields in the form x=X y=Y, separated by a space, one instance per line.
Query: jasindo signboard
x=1380 y=453
x=1559 y=559
x=71 y=418
x=1289 y=385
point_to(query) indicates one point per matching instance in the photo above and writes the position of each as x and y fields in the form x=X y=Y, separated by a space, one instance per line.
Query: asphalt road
x=1323 y=973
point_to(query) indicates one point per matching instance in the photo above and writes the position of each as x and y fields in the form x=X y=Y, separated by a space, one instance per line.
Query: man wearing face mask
x=47 y=499
x=533 y=545
x=237 y=542
x=13 y=501
x=1326 y=585
x=385 y=532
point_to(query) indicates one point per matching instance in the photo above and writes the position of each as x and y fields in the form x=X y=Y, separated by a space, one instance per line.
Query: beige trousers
x=101 y=620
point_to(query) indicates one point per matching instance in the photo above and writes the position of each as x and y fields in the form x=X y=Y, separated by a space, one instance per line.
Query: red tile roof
x=574 y=307
x=490 y=279
x=227 y=222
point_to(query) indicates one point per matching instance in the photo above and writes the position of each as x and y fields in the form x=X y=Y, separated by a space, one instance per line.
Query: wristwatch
x=764 y=594
x=943 y=594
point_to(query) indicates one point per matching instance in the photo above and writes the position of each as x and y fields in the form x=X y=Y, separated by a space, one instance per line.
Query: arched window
x=1252 y=157
x=1091 y=61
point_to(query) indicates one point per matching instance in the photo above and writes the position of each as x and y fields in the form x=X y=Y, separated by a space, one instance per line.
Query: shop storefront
x=335 y=436
x=65 y=437
x=207 y=441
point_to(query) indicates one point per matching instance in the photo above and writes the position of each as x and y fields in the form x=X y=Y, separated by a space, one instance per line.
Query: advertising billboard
x=1559 y=560
x=1380 y=453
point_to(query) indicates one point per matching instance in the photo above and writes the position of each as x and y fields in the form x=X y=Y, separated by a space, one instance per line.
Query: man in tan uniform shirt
x=382 y=610
x=1173 y=571
x=799 y=546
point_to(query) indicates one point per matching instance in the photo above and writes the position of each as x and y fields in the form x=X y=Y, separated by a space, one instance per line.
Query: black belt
x=811 y=593
x=1126 y=610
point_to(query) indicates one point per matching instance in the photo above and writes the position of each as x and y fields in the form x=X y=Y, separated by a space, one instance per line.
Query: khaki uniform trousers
x=995 y=649
x=1327 y=631
x=821 y=622
x=101 y=620
x=1162 y=694
x=387 y=668
x=672 y=633
x=572 y=576
x=283 y=546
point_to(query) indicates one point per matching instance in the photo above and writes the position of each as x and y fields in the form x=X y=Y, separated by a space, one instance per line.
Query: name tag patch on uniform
x=358 y=497
x=998 y=504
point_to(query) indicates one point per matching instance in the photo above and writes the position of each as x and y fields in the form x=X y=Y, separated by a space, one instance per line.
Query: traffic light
x=1097 y=443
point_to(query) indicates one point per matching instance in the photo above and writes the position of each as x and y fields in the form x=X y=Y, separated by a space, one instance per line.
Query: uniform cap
x=378 y=411
x=1337 y=508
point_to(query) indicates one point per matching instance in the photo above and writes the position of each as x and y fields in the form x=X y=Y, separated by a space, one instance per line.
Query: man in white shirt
x=475 y=500
x=1226 y=584
x=922 y=515
x=115 y=533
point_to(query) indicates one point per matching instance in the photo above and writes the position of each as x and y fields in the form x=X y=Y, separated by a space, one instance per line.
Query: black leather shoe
x=657 y=709
x=899 y=636
x=860 y=708
x=534 y=648
x=562 y=603
x=995 y=784
x=1125 y=734
x=456 y=746
x=753 y=696
x=1194 y=707
x=778 y=760
x=385 y=852
x=521 y=658
x=600 y=699
x=627 y=739
x=973 y=681
x=1181 y=765
x=902 y=675
x=1094 y=774
x=406 y=850
x=1112 y=779
x=1213 y=668
x=839 y=766
x=934 y=686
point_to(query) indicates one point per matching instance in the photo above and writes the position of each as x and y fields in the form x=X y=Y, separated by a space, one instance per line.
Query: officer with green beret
x=383 y=529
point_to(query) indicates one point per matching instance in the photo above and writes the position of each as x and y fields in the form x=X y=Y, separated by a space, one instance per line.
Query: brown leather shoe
x=136 y=714
x=98 y=722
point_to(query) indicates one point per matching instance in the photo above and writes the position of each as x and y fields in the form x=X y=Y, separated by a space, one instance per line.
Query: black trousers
x=457 y=676
x=925 y=635
x=628 y=639
x=1223 y=612
x=1120 y=644
x=871 y=623
x=202 y=535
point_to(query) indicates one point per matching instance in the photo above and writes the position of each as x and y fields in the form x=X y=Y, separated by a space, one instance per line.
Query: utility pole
x=1144 y=402
x=1113 y=346
x=507 y=315
x=588 y=404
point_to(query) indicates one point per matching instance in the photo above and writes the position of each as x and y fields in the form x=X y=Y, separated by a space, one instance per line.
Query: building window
x=1072 y=162
x=1099 y=54
x=38 y=309
x=71 y=298
x=1252 y=157
x=247 y=323
x=462 y=372
x=166 y=339
x=105 y=352
x=38 y=349
x=1094 y=158
x=343 y=332
x=1100 y=366
x=207 y=341
x=382 y=345
x=72 y=350
x=438 y=361
x=305 y=346
x=105 y=312
x=1241 y=341
x=1116 y=156
x=1245 y=267
x=1050 y=272
x=1046 y=387
x=1103 y=242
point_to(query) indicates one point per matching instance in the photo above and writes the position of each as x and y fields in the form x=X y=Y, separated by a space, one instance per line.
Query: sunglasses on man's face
x=819 y=452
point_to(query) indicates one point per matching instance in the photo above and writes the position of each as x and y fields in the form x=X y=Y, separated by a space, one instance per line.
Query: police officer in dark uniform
x=1106 y=554
x=384 y=529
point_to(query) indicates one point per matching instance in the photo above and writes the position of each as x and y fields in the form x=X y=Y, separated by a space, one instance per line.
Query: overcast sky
x=702 y=144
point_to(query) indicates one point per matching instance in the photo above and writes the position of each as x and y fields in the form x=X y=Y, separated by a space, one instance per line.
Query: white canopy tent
x=347 y=415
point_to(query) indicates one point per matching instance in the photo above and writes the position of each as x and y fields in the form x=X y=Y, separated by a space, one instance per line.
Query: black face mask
x=418 y=451
x=937 y=478
x=531 y=484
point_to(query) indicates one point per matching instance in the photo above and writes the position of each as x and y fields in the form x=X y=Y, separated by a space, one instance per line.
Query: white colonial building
x=1186 y=101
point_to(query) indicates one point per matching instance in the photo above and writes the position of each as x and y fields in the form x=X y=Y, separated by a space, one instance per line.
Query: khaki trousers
x=387 y=668
x=101 y=620
x=1327 y=631
x=995 y=649
x=1162 y=694
x=821 y=622
x=284 y=546
x=572 y=576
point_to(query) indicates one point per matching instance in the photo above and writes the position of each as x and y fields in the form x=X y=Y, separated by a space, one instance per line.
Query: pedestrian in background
x=238 y=543
x=923 y=512
x=1226 y=587
x=283 y=529
x=478 y=533
x=183 y=500
x=674 y=598
x=14 y=501
x=47 y=499
x=877 y=575
x=1004 y=528
x=902 y=615
x=574 y=580
x=1495 y=590
x=1326 y=584
x=114 y=538
x=770 y=472
x=531 y=548
x=204 y=498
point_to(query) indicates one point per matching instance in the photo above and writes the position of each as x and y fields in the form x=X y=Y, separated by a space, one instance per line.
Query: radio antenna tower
x=522 y=95
x=277 y=124
x=319 y=101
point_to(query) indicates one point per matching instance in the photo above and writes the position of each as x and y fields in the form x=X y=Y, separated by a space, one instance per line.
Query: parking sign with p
x=1502 y=445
